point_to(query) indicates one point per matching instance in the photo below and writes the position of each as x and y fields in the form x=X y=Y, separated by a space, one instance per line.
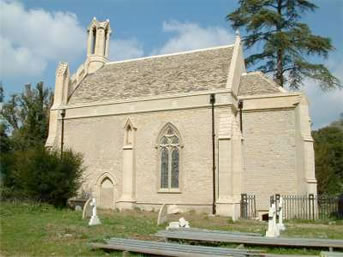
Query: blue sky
x=36 y=34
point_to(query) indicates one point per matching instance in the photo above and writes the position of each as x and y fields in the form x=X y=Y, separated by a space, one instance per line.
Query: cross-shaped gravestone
x=94 y=219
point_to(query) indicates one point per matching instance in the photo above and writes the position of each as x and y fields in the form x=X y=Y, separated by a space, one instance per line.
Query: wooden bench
x=227 y=237
x=170 y=249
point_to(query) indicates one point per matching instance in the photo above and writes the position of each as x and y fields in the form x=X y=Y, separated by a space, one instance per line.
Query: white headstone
x=94 y=219
x=162 y=215
x=273 y=230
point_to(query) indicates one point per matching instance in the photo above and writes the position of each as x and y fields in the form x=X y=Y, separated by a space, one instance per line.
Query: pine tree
x=286 y=41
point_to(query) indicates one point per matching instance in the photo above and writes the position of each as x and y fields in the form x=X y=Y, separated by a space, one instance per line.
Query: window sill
x=169 y=191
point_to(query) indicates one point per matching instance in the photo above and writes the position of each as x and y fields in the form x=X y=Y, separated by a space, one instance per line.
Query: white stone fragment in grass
x=183 y=223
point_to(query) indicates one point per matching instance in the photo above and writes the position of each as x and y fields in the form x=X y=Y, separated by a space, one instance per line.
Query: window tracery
x=169 y=147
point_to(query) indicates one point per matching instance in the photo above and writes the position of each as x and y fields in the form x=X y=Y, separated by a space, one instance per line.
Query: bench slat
x=216 y=231
x=159 y=252
x=183 y=247
x=254 y=240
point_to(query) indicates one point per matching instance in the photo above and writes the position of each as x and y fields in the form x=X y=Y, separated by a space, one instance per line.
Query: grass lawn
x=42 y=230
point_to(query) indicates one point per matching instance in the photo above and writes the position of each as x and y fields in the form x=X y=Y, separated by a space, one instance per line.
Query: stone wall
x=269 y=154
x=101 y=140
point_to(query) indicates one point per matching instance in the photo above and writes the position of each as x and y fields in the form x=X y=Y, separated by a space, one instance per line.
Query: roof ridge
x=171 y=54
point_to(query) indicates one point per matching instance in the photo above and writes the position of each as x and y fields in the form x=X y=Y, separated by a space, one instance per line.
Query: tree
x=286 y=41
x=42 y=175
x=5 y=144
x=1 y=92
x=27 y=169
x=27 y=116
x=328 y=146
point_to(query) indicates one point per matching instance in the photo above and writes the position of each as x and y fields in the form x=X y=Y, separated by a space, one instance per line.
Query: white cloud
x=121 y=49
x=189 y=36
x=30 y=38
x=325 y=107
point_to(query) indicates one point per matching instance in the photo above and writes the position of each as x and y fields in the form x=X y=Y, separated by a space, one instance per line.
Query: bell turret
x=98 y=44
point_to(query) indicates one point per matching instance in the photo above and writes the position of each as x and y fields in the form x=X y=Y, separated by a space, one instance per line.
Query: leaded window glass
x=175 y=169
x=170 y=158
x=164 y=168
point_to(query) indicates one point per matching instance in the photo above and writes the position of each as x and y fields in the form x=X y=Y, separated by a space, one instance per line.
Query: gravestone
x=78 y=208
x=162 y=214
x=94 y=219
x=273 y=230
x=87 y=209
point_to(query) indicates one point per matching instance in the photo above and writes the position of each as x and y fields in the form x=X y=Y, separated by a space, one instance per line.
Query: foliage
x=27 y=116
x=5 y=144
x=286 y=41
x=328 y=146
x=42 y=175
x=1 y=92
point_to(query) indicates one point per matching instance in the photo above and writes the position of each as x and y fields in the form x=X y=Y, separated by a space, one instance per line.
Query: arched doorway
x=106 y=194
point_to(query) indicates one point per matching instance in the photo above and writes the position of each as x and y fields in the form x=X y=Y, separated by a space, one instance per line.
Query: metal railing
x=248 y=206
x=311 y=207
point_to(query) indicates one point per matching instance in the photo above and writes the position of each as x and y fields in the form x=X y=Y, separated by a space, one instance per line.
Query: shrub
x=42 y=175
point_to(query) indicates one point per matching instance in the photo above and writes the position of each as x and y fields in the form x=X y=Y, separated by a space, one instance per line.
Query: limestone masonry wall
x=269 y=154
x=101 y=140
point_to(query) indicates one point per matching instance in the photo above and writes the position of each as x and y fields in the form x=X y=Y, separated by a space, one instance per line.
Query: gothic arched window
x=169 y=149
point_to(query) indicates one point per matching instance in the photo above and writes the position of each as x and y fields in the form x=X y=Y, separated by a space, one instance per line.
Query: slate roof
x=256 y=83
x=160 y=75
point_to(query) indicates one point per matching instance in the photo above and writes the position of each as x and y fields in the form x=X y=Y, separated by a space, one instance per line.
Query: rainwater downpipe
x=212 y=102
x=63 y=114
x=240 y=106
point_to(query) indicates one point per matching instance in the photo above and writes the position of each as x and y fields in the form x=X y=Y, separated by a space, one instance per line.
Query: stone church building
x=192 y=129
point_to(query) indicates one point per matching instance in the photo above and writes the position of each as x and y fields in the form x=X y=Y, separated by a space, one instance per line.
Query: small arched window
x=129 y=136
x=169 y=149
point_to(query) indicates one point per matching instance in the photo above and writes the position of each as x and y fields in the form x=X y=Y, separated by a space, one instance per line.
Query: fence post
x=311 y=201
x=271 y=200
x=277 y=202
x=244 y=205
